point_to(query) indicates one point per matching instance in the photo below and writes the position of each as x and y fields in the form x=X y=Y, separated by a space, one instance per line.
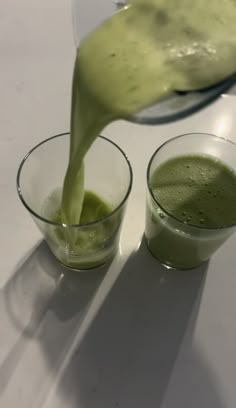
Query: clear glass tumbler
x=173 y=242
x=108 y=174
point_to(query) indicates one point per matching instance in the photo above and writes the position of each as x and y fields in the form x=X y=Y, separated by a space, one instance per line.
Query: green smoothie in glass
x=191 y=208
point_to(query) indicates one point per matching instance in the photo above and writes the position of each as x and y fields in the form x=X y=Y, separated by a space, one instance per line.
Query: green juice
x=142 y=54
x=90 y=244
x=94 y=208
x=194 y=196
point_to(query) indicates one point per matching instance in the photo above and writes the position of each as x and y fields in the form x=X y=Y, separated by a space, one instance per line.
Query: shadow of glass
x=43 y=302
x=127 y=356
x=40 y=283
x=193 y=382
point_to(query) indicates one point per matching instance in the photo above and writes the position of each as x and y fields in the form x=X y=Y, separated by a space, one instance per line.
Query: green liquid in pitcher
x=200 y=192
x=137 y=57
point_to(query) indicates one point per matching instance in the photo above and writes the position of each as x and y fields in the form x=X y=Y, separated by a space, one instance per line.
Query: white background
x=132 y=336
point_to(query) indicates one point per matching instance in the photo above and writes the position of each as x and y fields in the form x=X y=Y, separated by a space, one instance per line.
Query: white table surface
x=135 y=335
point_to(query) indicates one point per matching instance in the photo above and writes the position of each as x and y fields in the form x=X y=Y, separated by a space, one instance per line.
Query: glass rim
x=63 y=225
x=150 y=188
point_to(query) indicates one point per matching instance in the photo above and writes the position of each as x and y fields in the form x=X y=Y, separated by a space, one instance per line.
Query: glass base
x=99 y=267
x=79 y=260
x=169 y=265
x=83 y=265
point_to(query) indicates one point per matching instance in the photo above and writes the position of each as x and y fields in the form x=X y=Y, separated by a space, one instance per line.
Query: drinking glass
x=174 y=243
x=108 y=174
